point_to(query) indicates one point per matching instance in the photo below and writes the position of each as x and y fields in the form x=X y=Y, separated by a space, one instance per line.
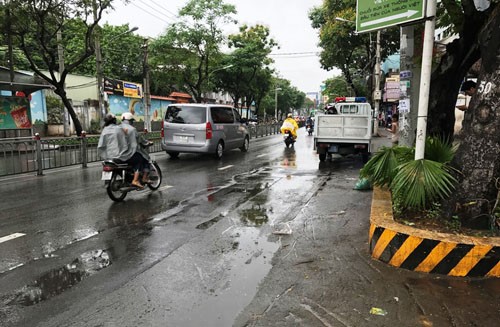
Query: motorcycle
x=288 y=138
x=118 y=176
x=310 y=129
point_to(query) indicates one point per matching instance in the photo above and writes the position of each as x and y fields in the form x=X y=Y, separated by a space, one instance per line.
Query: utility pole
x=276 y=102
x=9 y=43
x=101 y=112
x=377 y=94
x=147 y=94
x=425 y=80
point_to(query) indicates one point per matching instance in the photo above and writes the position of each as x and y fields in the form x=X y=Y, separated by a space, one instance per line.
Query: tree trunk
x=460 y=55
x=64 y=98
x=478 y=156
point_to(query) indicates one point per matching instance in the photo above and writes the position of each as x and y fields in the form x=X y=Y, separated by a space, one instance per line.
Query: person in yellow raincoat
x=290 y=125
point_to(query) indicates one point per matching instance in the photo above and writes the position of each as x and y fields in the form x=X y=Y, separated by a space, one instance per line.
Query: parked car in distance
x=203 y=128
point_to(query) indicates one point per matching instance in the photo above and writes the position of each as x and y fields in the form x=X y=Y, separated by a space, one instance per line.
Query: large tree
x=462 y=18
x=35 y=25
x=478 y=156
x=249 y=75
x=191 y=46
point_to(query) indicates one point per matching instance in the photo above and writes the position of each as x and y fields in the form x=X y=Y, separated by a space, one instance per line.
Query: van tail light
x=209 y=131
x=162 y=133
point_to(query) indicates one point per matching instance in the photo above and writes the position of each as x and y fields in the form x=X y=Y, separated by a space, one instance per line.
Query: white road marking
x=226 y=167
x=262 y=155
x=11 y=237
x=165 y=187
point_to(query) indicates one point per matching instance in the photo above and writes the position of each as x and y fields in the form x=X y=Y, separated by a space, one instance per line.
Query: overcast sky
x=287 y=20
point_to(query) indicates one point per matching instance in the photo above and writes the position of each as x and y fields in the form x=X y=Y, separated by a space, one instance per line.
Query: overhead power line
x=150 y=13
x=173 y=15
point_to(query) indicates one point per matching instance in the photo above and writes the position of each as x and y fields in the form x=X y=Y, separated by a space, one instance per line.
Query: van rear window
x=222 y=115
x=186 y=115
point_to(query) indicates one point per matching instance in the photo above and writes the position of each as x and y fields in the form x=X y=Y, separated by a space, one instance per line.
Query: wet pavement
x=267 y=238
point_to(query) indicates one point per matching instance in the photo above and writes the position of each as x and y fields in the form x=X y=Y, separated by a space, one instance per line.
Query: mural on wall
x=158 y=109
x=14 y=113
x=38 y=107
x=120 y=104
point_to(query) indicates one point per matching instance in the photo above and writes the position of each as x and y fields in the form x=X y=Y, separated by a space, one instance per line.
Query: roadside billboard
x=372 y=15
x=123 y=88
x=15 y=113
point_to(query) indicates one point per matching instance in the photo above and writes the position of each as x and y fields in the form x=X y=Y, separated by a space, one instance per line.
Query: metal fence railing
x=26 y=154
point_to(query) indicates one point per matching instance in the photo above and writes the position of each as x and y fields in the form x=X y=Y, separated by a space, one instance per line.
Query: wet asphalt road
x=200 y=251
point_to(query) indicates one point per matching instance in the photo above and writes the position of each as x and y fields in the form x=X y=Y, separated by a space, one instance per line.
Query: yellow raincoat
x=290 y=125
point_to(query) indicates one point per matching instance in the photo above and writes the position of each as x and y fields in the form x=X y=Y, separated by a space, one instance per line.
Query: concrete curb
x=428 y=251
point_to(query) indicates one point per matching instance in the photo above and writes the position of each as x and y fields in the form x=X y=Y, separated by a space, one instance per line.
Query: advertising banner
x=132 y=90
x=118 y=87
x=113 y=86
x=15 y=113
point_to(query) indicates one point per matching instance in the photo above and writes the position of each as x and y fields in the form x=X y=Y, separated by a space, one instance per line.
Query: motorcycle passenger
x=290 y=125
x=142 y=145
x=133 y=157
x=112 y=142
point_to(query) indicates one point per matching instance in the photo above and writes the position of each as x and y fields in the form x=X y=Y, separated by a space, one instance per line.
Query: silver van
x=203 y=128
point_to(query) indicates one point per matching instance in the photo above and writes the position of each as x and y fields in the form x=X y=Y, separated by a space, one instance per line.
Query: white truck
x=348 y=131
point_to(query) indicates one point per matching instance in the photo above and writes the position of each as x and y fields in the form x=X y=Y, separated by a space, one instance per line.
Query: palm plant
x=419 y=183
x=415 y=183
x=381 y=168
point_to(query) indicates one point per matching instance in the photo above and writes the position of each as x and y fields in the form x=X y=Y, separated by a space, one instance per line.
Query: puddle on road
x=255 y=216
x=59 y=280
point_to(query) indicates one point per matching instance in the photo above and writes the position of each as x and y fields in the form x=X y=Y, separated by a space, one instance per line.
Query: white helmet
x=127 y=116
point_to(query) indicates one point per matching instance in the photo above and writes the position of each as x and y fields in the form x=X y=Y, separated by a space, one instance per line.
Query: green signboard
x=378 y=14
x=15 y=112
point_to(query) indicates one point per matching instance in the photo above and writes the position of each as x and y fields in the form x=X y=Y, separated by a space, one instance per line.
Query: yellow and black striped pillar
x=426 y=251
x=434 y=256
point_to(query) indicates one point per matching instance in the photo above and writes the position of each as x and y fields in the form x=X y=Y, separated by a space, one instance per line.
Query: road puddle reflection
x=56 y=281
x=255 y=216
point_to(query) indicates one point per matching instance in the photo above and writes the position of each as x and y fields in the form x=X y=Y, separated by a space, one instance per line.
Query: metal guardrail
x=26 y=154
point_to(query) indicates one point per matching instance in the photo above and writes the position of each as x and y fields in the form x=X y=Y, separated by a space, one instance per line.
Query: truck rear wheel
x=322 y=156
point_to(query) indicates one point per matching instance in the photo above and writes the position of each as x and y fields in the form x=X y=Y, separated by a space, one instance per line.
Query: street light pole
x=210 y=74
x=276 y=102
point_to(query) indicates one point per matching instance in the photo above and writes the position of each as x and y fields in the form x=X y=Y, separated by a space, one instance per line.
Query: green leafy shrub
x=438 y=149
x=381 y=168
x=415 y=184
x=421 y=182
x=95 y=127
x=55 y=110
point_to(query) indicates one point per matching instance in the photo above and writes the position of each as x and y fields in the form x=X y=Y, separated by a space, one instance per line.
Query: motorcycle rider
x=133 y=157
x=310 y=122
x=112 y=142
x=290 y=125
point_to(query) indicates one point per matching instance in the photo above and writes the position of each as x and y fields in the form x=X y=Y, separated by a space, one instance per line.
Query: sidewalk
x=324 y=274
x=384 y=139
